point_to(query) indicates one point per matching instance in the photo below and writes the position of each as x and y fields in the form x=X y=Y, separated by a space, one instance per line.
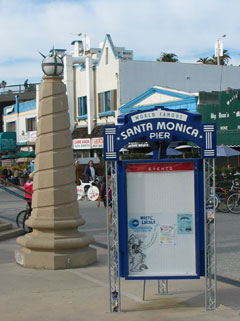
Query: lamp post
x=55 y=242
x=219 y=49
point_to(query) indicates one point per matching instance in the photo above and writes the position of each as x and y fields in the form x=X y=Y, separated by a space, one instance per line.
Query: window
x=11 y=126
x=82 y=106
x=30 y=124
x=107 y=101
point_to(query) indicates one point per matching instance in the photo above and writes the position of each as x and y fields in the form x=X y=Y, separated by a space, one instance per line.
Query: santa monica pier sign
x=160 y=124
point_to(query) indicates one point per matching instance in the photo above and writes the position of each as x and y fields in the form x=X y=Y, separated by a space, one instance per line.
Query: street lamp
x=52 y=65
x=219 y=49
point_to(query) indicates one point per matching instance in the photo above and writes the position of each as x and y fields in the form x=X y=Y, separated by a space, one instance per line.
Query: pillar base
x=55 y=260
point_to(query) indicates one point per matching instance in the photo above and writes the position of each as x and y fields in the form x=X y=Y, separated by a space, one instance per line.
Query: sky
x=188 y=28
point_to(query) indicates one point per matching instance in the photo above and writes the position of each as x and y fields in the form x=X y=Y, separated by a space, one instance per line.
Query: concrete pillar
x=55 y=242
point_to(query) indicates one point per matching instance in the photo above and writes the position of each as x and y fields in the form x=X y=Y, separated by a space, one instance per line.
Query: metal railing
x=17 y=89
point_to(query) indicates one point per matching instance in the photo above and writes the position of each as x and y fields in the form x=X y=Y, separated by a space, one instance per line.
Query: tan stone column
x=55 y=242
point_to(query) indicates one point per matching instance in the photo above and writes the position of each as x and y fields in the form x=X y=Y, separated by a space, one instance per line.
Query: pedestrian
x=31 y=166
x=103 y=197
x=7 y=173
x=77 y=171
x=89 y=172
x=28 y=186
x=25 y=84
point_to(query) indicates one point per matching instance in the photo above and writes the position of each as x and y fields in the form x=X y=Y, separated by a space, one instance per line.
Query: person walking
x=103 y=197
x=28 y=186
x=31 y=166
x=77 y=171
x=6 y=174
x=89 y=172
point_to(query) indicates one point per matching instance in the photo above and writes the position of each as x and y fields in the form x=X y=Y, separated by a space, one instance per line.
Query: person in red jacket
x=28 y=186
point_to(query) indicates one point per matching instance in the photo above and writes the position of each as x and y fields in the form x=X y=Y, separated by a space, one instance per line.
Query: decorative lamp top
x=52 y=65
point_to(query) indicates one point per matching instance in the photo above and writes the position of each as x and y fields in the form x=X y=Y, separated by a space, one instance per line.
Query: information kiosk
x=160 y=222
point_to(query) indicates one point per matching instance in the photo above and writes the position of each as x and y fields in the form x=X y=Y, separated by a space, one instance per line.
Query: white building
x=22 y=119
x=101 y=80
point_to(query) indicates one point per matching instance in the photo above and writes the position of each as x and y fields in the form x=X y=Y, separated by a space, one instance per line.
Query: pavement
x=83 y=294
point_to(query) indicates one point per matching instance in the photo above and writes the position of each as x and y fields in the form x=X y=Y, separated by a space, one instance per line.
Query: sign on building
x=82 y=143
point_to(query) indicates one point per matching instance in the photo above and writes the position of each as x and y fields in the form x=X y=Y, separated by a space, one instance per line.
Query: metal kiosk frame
x=175 y=125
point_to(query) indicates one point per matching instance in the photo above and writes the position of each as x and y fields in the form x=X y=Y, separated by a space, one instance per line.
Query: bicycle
x=21 y=219
x=217 y=200
x=233 y=202
x=229 y=200
x=222 y=196
x=87 y=190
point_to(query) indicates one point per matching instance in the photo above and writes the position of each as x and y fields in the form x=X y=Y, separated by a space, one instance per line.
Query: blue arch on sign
x=160 y=125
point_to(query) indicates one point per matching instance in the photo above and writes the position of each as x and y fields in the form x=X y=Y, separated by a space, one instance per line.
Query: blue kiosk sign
x=160 y=125
x=160 y=202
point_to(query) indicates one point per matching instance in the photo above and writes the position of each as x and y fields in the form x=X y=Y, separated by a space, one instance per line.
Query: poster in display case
x=161 y=219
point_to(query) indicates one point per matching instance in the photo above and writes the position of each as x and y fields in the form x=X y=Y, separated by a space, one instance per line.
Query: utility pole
x=219 y=49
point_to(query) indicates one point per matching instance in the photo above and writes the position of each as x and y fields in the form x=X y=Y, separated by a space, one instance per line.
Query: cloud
x=188 y=28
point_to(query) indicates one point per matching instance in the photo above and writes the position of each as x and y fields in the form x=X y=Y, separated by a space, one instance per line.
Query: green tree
x=225 y=58
x=168 y=57
x=3 y=83
x=204 y=60
x=213 y=60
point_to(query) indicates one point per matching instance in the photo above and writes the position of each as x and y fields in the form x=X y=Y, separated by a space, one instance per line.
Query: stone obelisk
x=55 y=242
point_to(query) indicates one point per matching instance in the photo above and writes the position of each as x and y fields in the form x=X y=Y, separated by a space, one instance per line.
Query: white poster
x=161 y=219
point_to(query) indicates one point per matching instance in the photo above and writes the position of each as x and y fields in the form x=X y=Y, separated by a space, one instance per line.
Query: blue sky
x=188 y=28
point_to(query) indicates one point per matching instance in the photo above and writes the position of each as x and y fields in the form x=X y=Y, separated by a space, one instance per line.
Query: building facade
x=223 y=109
x=101 y=80
x=22 y=119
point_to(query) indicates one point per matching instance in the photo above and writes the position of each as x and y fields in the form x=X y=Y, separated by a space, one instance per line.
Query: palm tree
x=213 y=60
x=168 y=57
x=225 y=58
x=204 y=60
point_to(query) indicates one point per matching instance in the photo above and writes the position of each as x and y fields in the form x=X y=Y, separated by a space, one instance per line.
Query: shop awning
x=9 y=156
x=24 y=154
x=8 y=141
x=83 y=132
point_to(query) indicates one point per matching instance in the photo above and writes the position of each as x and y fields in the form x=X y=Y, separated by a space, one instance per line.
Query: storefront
x=85 y=145
x=223 y=109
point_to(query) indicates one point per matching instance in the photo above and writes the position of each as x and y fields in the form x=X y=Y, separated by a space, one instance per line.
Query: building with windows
x=101 y=80
x=22 y=119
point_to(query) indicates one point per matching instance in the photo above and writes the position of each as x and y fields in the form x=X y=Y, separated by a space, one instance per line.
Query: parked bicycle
x=88 y=190
x=229 y=200
x=22 y=217
x=233 y=201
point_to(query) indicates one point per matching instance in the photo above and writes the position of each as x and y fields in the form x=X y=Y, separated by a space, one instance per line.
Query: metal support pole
x=113 y=238
x=210 y=241
x=144 y=288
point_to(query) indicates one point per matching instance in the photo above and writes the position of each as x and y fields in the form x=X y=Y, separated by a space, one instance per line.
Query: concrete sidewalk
x=82 y=294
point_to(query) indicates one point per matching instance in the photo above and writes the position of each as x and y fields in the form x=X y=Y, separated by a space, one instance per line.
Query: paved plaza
x=83 y=294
